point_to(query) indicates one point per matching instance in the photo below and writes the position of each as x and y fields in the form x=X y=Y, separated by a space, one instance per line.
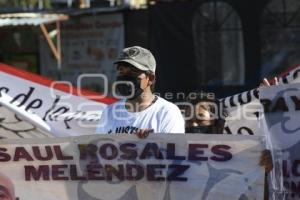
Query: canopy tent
x=35 y=19
x=38 y=19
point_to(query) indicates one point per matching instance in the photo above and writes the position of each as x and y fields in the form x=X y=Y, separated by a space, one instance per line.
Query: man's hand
x=266 y=82
x=266 y=160
x=143 y=133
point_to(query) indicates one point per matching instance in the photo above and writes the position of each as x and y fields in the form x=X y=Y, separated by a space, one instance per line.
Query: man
x=140 y=112
x=7 y=191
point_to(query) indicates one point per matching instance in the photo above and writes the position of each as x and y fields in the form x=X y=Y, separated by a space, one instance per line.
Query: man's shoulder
x=167 y=105
x=117 y=103
x=171 y=119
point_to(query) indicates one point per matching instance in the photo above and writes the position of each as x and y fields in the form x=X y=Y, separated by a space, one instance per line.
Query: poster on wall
x=90 y=45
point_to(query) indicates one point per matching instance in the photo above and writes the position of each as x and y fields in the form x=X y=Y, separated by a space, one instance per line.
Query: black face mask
x=199 y=129
x=133 y=87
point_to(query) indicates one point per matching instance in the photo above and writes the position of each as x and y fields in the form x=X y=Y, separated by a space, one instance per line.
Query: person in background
x=204 y=114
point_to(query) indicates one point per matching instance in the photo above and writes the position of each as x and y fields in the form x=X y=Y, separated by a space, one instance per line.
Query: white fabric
x=32 y=106
x=238 y=176
x=162 y=117
x=244 y=108
x=281 y=125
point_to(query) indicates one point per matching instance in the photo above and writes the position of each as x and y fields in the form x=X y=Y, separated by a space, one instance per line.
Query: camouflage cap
x=138 y=57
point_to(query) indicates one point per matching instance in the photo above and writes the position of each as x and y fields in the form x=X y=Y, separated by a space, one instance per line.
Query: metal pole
x=70 y=3
x=58 y=45
x=41 y=4
x=50 y=43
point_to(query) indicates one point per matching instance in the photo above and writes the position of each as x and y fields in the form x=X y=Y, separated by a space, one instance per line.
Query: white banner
x=114 y=167
x=67 y=111
x=281 y=124
x=245 y=108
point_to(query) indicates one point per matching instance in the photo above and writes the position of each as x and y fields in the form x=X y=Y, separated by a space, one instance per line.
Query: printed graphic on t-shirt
x=124 y=129
x=162 y=117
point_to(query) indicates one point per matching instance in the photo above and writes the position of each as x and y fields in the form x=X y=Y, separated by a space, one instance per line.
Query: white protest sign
x=281 y=124
x=113 y=167
x=66 y=110
x=245 y=108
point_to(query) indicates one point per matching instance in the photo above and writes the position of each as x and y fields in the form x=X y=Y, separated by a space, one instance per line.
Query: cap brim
x=133 y=63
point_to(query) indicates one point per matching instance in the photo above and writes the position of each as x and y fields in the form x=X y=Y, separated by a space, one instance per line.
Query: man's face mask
x=199 y=129
x=129 y=87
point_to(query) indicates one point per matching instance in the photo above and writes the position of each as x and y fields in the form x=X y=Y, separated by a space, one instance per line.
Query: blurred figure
x=204 y=114
x=7 y=191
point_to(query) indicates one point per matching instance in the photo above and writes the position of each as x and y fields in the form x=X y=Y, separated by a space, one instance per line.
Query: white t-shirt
x=162 y=116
